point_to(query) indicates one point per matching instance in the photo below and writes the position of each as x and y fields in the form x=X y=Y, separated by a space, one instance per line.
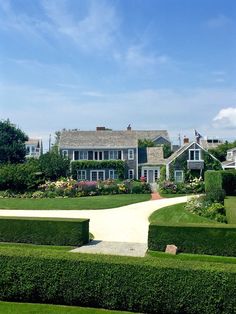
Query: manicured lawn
x=176 y=214
x=92 y=202
x=230 y=205
x=28 y=308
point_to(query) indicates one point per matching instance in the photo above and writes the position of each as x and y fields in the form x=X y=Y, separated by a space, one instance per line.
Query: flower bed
x=194 y=186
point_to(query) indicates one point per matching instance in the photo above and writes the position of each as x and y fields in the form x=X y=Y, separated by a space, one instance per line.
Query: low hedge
x=194 y=238
x=44 y=231
x=147 y=285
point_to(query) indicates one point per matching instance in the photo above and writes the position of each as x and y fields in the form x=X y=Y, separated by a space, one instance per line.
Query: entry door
x=150 y=176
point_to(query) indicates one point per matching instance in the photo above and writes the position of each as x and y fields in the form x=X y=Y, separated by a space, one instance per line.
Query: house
x=210 y=142
x=104 y=148
x=34 y=148
x=190 y=160
x=230 y=162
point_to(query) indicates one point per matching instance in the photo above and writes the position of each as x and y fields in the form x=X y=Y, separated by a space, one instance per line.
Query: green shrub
x=229 y=181
x=44 y=231
x=149 y=285
x=213 y=186
x=200 y=239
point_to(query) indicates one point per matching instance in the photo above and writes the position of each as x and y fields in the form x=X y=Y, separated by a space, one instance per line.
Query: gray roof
x=107 y=139
x=98 y=139
x=231 y=149
x=33 y=141
x=178 y=152
x=152 y=156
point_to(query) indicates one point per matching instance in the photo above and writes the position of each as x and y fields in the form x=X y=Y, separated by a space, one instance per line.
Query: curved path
x=124 y=224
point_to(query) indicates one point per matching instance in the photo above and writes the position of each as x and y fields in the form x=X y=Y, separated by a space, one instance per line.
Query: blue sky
x=156 y=64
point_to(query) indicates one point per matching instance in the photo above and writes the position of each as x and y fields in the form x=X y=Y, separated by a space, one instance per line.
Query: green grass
x=230 y=205
x=175 y=214
x=91 y=202
x=29 y=308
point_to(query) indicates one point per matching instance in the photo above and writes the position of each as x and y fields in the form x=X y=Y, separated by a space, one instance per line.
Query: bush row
x=135 y=284
x=199 y=239
x=213 y=186
x=50 y=231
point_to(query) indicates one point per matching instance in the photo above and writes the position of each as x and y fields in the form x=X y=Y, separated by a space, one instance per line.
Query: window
x=156 y=174
x=131 y=174
x=27 y=150
x=130 y=154
x=145 y=173
x=80 y=155
x=81 y=175
x=96 y=175
x=65 y=153
x=113 y=174
x=179 y=176
x=113 y=154
x=194 y=154
x=98 y=155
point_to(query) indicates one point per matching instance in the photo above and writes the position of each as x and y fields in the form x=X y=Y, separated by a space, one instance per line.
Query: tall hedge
x=229 y=181
x=144 y=285
x=194 y=238
x=52 y=231
x=213 y=186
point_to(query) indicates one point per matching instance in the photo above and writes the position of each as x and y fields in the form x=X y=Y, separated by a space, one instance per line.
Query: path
x=124 y=224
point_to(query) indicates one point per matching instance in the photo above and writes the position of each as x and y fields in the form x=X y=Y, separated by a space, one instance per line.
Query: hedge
x=213 y=186
x=147 y=285
x=50 y=231
x=229 y=181
x=194 y=238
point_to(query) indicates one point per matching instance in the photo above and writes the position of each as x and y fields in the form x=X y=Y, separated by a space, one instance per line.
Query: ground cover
x=29 y=308
x=91 y=202
x=175 y=214
x=230 y=205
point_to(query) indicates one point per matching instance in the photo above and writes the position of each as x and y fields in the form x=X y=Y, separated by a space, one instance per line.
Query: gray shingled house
x=104 y=145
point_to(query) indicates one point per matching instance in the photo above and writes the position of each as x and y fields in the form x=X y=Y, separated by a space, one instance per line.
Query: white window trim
x=85 y=175
x=131 y=171
x=113 y=174
x=194 y=150
x=182 y=175
x=130 y=154
x=97 y=174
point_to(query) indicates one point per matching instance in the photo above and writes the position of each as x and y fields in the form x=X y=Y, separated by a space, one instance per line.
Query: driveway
x=124 y=224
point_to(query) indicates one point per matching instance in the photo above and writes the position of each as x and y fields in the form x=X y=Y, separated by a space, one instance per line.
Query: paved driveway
x=124 y=224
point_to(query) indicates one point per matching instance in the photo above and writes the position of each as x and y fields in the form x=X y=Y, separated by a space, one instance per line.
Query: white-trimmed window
x=156 y=174
x=80 y=155
x=130 y=154
x=194 y=154
x=81 y=175
x=96 y=175
x=113 y=174
x=65 y=153
x=131 y=174
x=179 y=176
x=113 y=154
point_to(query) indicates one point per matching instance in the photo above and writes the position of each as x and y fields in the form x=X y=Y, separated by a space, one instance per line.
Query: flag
x=197 y=135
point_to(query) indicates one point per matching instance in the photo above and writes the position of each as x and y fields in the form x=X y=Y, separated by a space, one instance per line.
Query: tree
x=145 y=143
x=12 y=143
x=53 y=165
x=220 y=151
x=149 y=143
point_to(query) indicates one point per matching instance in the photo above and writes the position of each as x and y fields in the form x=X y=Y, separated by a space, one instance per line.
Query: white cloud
x=226 y=118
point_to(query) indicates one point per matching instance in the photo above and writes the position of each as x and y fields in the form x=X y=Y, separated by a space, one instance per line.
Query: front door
x=150 y=176
x=151 y=173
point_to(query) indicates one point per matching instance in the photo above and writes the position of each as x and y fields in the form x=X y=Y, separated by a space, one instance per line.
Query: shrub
x=199 y=239
x=229 y=181
x=44 y=231
x=147 y=285
x=213 y=186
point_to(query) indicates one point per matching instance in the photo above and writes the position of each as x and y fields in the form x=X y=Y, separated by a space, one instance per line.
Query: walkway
x=124 y=224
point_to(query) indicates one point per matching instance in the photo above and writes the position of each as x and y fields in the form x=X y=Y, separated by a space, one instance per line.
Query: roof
x=98 y=139
x=231 y=149
x=107 y=138
x=151 y=156
x=210 y=145
x=33 y=141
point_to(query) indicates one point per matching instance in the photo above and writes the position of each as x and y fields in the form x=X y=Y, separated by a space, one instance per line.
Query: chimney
x=129 y=128
x=186 y=140
x=100 y=128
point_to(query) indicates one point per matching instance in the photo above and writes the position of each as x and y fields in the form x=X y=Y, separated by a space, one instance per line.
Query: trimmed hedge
x=194 y=238
x=229 y=181
x=147 y=285
x=44 y=231
x=213 y=186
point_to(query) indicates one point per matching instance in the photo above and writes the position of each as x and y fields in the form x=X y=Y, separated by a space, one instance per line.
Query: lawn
x=28 y=308
x=175 y=214
x=91 y=202
x=230 y=205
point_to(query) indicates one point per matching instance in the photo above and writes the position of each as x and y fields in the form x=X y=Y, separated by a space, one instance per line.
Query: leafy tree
x=12 y=143
x=167 y=150
x=220 y=152
x=53 y=165
x=145 y=143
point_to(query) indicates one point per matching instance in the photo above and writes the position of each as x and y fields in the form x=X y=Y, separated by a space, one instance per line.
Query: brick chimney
x=186 y=140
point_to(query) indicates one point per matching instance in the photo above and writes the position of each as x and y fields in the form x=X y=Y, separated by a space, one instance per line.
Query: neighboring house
x=230 y=162
x=192 y=159
x=107 y=146
x=34 y=148
x=210 y=143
